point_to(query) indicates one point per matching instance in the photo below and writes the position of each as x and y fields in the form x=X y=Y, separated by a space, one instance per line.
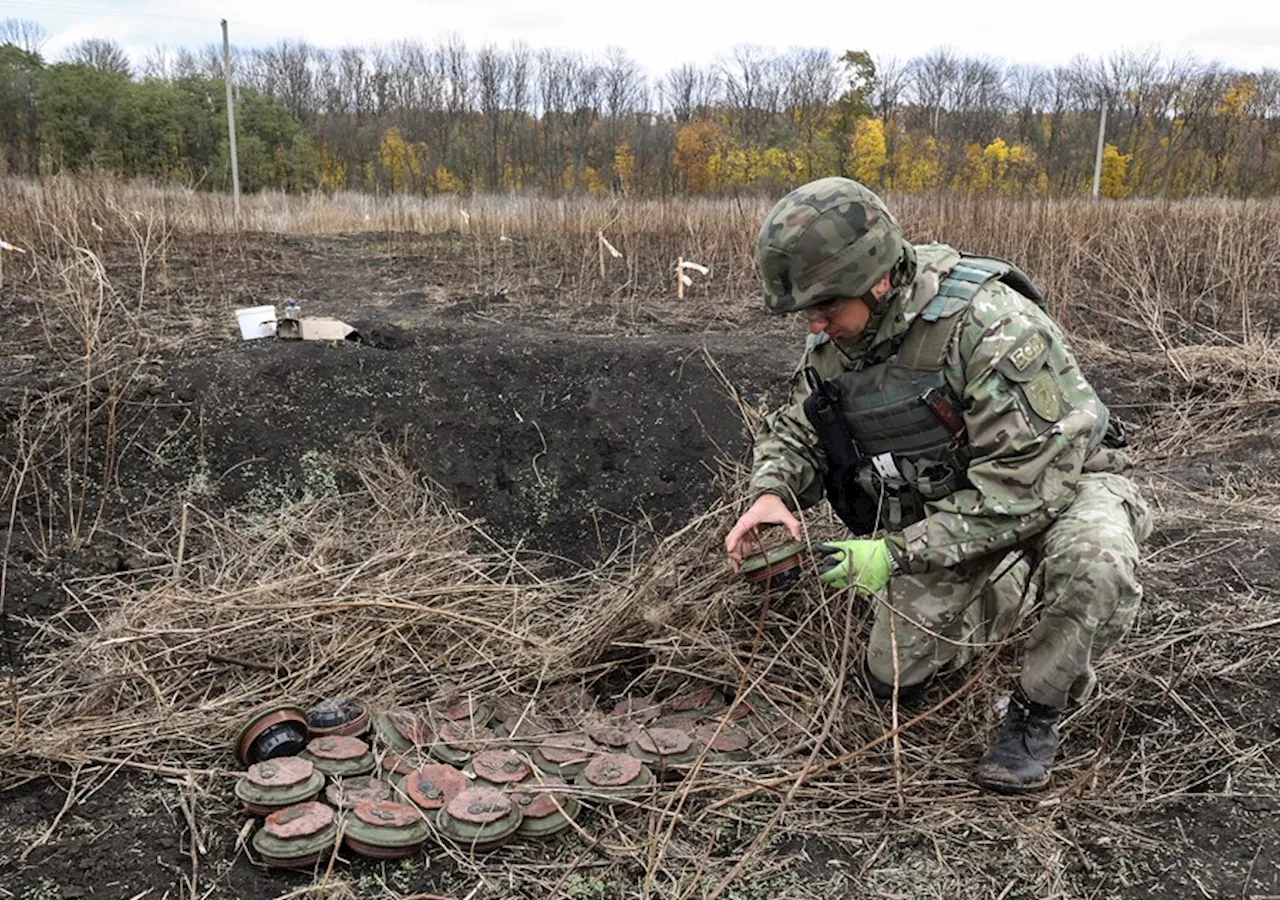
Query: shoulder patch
x=1026 y=358
x=1043 y=395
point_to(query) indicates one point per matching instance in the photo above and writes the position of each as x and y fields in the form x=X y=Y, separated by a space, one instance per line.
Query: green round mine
x=346 y=793
x=337 y=755
x=297 y=836
x=432 y=785
x=565 y=754
x=615 y=776
x=546 y=809
x=479 y=819
x=277 y=783
x=776 y=567
x=386 y=830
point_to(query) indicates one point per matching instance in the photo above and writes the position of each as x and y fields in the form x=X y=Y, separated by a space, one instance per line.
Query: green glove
x=866 y=565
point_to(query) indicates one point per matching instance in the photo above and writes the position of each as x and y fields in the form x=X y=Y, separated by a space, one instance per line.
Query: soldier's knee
x=1093 y=594
x=915 y=666
x=1097 y=566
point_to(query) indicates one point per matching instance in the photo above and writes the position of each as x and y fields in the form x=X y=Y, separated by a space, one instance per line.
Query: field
x=520 y=478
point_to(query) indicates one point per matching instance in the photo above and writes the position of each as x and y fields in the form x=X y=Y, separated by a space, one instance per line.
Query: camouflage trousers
x=1086 y=569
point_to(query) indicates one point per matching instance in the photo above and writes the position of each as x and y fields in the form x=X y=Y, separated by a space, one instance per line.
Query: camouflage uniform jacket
x=1024 y=467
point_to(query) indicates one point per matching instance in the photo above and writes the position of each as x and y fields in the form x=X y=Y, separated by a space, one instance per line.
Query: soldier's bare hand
x=744 y=538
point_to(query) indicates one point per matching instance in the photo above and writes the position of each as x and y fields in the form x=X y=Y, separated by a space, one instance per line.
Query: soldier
x=939 y=406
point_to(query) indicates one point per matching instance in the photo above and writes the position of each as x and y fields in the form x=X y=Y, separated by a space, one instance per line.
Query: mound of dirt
x=561 y=442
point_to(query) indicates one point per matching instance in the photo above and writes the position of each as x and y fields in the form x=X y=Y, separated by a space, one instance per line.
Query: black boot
x=1020 y=759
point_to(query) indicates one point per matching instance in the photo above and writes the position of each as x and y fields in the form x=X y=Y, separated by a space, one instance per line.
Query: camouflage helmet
x=829 y=239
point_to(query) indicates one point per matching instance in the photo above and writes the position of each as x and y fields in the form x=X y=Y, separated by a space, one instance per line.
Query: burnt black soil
x=558 y=441
x=566 y=426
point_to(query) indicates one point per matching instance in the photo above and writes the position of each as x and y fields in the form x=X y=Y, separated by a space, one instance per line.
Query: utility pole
x=231 y=119
x=1097 y=160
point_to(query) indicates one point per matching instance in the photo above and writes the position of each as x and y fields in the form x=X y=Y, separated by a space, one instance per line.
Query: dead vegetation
x=386 y=593
x=1157 y=268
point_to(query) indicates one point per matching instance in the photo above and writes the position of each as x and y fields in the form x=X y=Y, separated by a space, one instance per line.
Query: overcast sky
x=662 y=33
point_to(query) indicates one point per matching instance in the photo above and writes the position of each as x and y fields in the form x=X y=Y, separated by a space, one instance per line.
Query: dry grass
x=1174 y=266
x=387 y=594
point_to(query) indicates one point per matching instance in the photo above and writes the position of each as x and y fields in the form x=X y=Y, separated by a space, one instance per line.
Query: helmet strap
x=904 y=270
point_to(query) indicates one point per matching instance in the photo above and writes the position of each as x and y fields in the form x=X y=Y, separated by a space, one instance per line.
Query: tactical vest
x=902 y=414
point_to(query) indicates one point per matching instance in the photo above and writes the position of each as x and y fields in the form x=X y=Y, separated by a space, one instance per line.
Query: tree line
x=424 y=118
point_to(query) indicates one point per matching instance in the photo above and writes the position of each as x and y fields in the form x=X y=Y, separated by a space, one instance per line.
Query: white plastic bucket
x=257 y=322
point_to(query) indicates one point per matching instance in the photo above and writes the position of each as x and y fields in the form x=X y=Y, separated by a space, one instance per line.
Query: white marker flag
x=613 y=251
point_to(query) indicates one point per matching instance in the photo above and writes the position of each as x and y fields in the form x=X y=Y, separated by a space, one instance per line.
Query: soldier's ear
x=879 y=289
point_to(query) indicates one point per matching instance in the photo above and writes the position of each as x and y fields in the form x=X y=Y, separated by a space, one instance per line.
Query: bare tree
x=977 y=100
x=455 y=64
x=211 y=65
x=1090 y=81
x=1133 y=76
x=492 y=69
x=101 y=54
x=416 y=85
x=931 y=79
x=519 y=103
x=380 y=92
x=325 y=82
x=690 y=92
x=810 y=84
x=891 y=83
x=752 y=90
x=557 y=72
x=623 y=83
x=23 y=34
x=1268 y=110
x=353 y=81
x=291 y=77
x=622 y=89
x=185 y=64
x=156 y=65
x=1027 y=89
x=810 y=80
x=452 y=66
x=585 y=92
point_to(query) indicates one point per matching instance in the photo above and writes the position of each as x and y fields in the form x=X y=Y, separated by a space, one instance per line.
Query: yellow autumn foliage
x=445 y=181
x=868 y=150
x=624 y=166
x=782 y=166
x=1000 y=168
x=1115 y=164
x=695 y=145
x=975 y=175
x=333 y=171
x=401 y=162
x=1237 y=96
x=915 y=165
